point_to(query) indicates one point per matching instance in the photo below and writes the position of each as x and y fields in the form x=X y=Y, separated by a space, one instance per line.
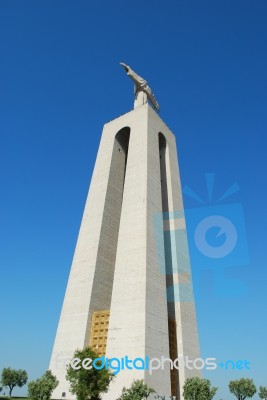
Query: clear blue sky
x=60 y=81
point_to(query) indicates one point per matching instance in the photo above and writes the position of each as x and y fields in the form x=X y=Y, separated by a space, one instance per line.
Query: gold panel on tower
x=99 y=331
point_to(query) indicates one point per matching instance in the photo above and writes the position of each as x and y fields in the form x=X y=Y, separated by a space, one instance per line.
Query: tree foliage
x=263 y=392
x=88 y=383
x=138 y=391
x=198 y=389
x=242 y=388
x=12 y=378
x=42 y=388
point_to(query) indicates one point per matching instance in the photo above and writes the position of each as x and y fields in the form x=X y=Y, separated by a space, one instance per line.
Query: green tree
x=198 y=389
x=42 y=388
x=263 y=392
x=242 y=388
x=88 y=383
x=12 y=378
x=138 y=391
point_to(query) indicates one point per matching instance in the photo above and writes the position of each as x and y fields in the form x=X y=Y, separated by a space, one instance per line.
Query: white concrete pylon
x=127 y=253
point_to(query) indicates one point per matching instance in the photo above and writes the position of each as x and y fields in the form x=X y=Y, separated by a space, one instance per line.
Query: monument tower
x=129 y=291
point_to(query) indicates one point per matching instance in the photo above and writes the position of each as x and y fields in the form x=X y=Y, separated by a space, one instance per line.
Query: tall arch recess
x=112 y=210
x=107 y=246
x=169 y=268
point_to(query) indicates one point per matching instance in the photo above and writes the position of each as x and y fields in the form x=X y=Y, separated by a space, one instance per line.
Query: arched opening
x=107 y=247
x=122 y=139
x=163 y=147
